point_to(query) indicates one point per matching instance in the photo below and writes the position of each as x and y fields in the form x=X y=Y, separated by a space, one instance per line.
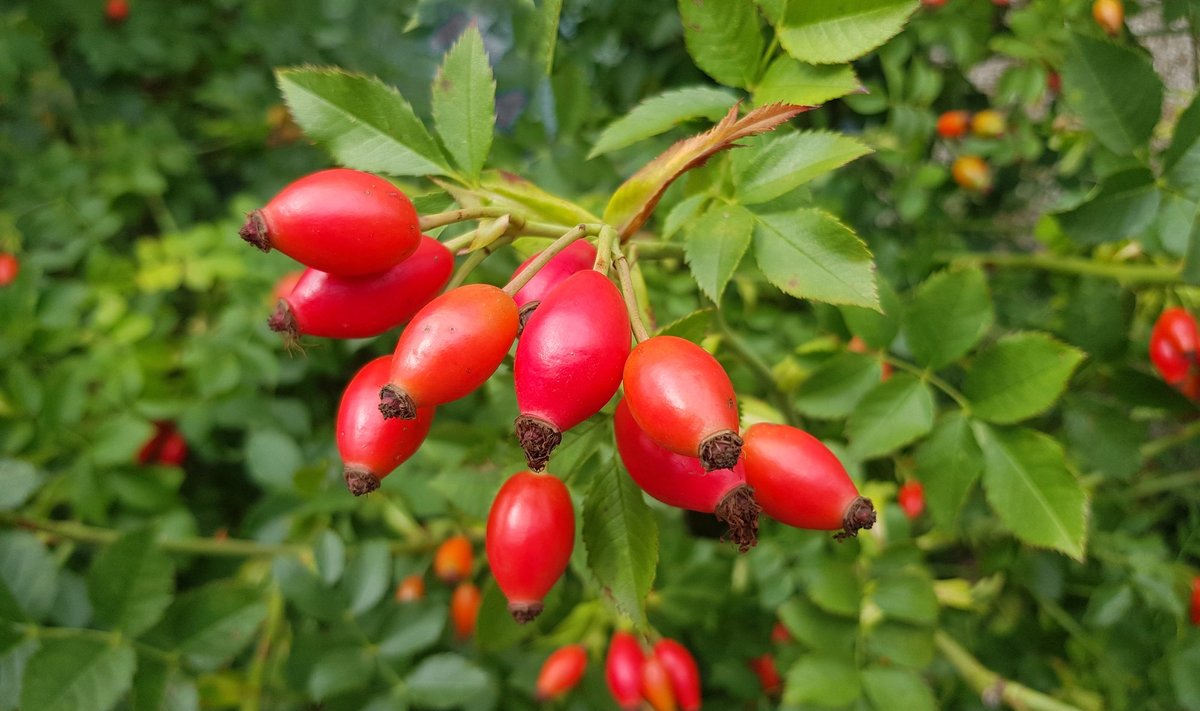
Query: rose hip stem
x=608 y=237
x=631 y=302
x=558 y=245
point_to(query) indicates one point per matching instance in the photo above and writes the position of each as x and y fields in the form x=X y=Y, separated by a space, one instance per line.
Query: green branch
x=932 y=378
x=1155 y=447
x=1078 y=266
x=990 y=685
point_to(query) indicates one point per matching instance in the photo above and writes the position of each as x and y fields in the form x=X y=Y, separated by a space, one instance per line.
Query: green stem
x=252 y=698
x=627 y=293
x=105 y=636
x=932 y=378
x=659 y=250
x=454 y=244
x=1129 y=273
x=543 y=258
x=1159 y=484
x=1155 y=447
x=608 y=237
x=757 y=364
x=991 y=685
x=462 y=214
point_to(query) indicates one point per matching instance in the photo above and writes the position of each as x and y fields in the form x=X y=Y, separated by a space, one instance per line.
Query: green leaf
x=948 y=463
x=340 y=670
x=822 y=680
x=496 y=630
x=12 y=670
x=131 y=583
x=836 y=588
x=1122 y=207
x=818 y=629
x=661 y=113
x=118 y=440
x=693 y=327
x=464 y=102
x=1181 y=160
x=1114 y=90
x=1102 y=437
x=272 y=458
x=891 y=688
x=833 y=31
x=809 y=254
x=77 y=675
x=209 y=625
x=715 y=244
x=301 y=586
x=724 y=39
x=621 y=538
x=21 y=481
x=1022 y=375
x=446 y=681
x=903 y=644
x=1027 y=482
x=413 y=628
x=329 y=553
x=784 y=162
x=949 y=313
x=363 y=122
x=907 y=596
x=793 y=82
x=29 y=572
x=837 y=385
x=876 y=329
x=895 y=413
x=368 y=576
x=548 y=13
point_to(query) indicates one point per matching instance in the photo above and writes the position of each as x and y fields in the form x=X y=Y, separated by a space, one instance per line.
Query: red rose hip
x=623 y=670
x=680 y=481
x=339 y=221
x=370 y=446
x=682 y=671
x=569 y=361
x=576 y=257
x=656 y=685
x=682 y=397
x=1173 y=345
x=452 y=346
x=911 y=498
x=561 y=671
x=954 y=124
x=798 y=481
x=330 y=306
x=10 y=267
x=454 y=559
x=530 y=535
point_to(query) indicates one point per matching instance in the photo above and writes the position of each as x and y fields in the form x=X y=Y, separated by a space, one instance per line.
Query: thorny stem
x=758 y=365
x=608 y=237
x=990 y=685
x=631 y=302
x=929 y=376
x=543 y=258
x=1129 y=273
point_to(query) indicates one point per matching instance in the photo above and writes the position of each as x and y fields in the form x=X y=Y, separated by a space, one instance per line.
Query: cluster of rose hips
x=452 y=564
x=970 y=171
x=677 y=427
x=1173 y=351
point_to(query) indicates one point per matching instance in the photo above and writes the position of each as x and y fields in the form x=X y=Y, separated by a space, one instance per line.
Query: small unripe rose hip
x=453 y=560
x=656 y=685
x=953 y=124
x=989 y=123
x=561 y=672
x=1110 y=15
x=10 y=267
x=682 y=671
x=464 y=609
x=911 y=498
x=972 y=174
x=410 y=589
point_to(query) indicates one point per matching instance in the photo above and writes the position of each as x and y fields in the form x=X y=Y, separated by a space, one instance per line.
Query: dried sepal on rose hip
x=370 y=446
x=450 y=348
x=682 y=397
x=329 y=306
x=569 y=361
x=340 y=221
x=679 y=480
x=798 y=481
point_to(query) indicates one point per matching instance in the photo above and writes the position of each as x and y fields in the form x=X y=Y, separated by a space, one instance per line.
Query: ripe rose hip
x=453 y=560
x=679 y=480
x=464 y=609
x=989 y=123
x=331 y=306
x=9 y=268
x=530 y=535
x=1173 y=345
x=623 y=670
x=764 y=668
x=576 y=257
x=972 y=174
x=561 y=672
x=656 y=685
x=410 y=589
x=569 y=361
x=1110 y=15
x=1195 y=607
x=953 y=124
x=174 y=450
x=452 y=346
x=340 y=221
x=682 y=397
x=798 y=481
x=370 y=446
x=116 y=11
x=911 y=498
x=682 y=671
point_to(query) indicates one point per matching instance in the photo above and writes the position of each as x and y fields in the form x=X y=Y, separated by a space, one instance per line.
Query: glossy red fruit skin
x=680 y=481
x=370 y=446
x=577 y=256
x=341 y=221
x=953 y=124
x=681 y=396
x=798 y=481
x=330 y=306
x=1195 y=607
x=464 y=609
x=454 y=559
x=682 y=671
x=10 y=267
x=764 y=668
x=569 y=361
x=656 y=684
x=623 y=670
x=451 y=347
x=530 y=535
x=174 y=450
x=561 y=672
x=911 y=498
x=1173 y=344
x=286 y=284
